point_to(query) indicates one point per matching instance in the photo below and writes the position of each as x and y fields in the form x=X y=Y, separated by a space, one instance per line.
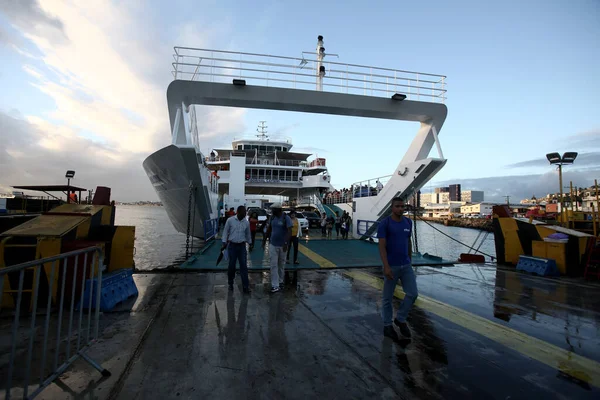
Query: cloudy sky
x=83 y=86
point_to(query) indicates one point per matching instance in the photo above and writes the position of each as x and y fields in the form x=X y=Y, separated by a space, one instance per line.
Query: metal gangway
x=220 y=66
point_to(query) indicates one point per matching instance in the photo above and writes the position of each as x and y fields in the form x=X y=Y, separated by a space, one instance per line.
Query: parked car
x=314 y=221
x=303 y=221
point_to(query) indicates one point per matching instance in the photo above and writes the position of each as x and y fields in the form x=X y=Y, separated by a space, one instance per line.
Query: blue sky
x=522 y=81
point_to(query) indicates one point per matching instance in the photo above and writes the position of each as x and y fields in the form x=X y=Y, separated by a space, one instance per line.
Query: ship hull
x=182 y=186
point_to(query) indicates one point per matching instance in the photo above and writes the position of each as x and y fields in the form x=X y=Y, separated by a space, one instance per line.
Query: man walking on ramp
x=235 y=236
x=279 y=233
x=395 y=250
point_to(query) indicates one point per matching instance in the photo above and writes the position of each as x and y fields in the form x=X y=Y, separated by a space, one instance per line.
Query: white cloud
x=107 y=70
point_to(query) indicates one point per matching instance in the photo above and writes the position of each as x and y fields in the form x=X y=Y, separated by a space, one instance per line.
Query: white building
x=589 y=199
x=444 y=197
x=442 y=210
x=471 y=196
x=428 y=198
x=477 y=209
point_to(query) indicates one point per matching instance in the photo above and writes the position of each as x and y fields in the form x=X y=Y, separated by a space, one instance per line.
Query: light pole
x=566 y=159
x=70 y=174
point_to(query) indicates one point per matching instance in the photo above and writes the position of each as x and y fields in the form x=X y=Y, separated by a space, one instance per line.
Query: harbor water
x=158 y=245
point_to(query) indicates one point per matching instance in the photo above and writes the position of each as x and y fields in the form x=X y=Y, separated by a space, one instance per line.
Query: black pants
x=337 y=228
x=294 y=242
x=253 y=234
x=237 y=252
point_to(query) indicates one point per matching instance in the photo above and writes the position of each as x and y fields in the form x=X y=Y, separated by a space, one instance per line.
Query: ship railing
x=46 y=338
x=273 y=162
x=216 y=159
x=195 y=64
x=274 y=140
x=369 y=187
x=338 y=198
x=272 y=180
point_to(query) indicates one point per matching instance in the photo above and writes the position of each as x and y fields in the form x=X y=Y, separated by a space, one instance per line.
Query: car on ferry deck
x=314 y=221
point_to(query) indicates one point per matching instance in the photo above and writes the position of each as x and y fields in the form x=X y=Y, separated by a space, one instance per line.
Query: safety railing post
x=15 y=329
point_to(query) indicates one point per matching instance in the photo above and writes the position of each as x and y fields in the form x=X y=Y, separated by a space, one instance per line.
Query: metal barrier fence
x=211 y=228
x=30 y=351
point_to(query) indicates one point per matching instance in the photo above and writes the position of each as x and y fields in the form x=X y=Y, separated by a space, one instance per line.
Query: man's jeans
x=237 y=251
x=409 y=284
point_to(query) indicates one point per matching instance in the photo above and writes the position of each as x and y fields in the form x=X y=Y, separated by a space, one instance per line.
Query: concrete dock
x=478 y=332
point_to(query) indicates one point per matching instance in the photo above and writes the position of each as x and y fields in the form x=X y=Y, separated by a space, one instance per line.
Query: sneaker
x=247 y=290
x=274 y=289
x=404 y=330
x=281 y=284
x=390 y=332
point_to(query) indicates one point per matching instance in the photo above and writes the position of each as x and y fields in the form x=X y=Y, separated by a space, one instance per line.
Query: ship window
x=262 y=148
x=240 y=147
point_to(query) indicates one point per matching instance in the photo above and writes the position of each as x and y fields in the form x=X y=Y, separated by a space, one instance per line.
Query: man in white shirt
x=235 y=236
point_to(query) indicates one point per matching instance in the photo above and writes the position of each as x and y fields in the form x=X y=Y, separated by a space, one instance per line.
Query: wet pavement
x=478 y=332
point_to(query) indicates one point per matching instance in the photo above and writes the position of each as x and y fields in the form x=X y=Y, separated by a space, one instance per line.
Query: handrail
x=290 y=72
x=297 y=59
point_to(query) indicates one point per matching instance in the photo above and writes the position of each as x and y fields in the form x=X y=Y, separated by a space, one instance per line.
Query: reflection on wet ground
x=321 y=337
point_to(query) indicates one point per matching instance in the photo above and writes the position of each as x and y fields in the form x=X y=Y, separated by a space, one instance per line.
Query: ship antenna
x=262 y=131
x=320 y=66
x=320 y=70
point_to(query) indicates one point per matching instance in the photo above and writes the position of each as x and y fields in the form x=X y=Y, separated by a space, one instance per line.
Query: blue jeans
x=409 y=284
x=237 y=251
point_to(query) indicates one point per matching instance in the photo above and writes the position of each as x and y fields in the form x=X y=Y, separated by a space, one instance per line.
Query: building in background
x=428 y=198
x=477 y=209
x=455 y=194
x=472 y=196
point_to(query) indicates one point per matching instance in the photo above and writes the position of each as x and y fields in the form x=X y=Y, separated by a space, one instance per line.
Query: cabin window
x=240 y=147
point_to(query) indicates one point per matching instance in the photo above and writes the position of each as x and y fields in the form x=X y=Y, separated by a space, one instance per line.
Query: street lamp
x=566 y=159
x=70 y=174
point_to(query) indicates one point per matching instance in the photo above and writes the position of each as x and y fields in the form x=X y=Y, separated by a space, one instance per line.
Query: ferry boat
x=259 y=165
x=190 y=183
x=264 y=165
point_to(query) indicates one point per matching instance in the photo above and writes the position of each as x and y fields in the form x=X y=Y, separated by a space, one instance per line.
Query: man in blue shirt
x=279 y=233
x=235 y=236
x=396 y=254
